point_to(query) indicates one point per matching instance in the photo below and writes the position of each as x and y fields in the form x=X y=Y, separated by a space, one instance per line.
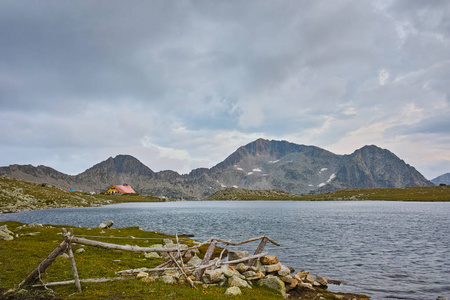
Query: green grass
x=20 y=256
x=429 y=194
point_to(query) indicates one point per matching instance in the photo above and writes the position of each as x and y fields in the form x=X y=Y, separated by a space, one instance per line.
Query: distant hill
x=443 y=179
x=260 y=165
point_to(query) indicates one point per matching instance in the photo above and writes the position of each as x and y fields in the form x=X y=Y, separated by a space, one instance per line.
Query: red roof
x=125 y=189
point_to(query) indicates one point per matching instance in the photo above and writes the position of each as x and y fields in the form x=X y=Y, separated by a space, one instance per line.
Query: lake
x=386 y=250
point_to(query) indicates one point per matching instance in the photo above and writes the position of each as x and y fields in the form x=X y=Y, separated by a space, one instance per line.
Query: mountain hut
x=120 y=189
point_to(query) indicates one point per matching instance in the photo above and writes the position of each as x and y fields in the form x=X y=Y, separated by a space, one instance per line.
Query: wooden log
x=206 y=259
x=258 y=251
x=132 y=271
x=248 y=241
x=44 y=265
x=74 y=267
x=94 y=280
x=182 y=271
x=126 y=248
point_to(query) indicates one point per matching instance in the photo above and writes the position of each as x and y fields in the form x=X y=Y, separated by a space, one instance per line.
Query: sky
x=182 y=84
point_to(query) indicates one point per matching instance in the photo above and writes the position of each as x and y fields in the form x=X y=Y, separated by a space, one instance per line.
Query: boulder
x=291 y=285
x=228 y=271
x=168 y=279
x=194 y=261
x=304 y=285
x=272 y=268
x=249 y=274
x=308 y=279
x=322 y=280
x=273 y=282
x=213 y=276
x=233 y=255
x=285 y=271
x=142 y=275
x=302 y=274
x=80 y=250
x=151 y=255
x=169 y=242
x=5 y=233
x=236 y=281
x=233 y=291
x=258 y=275
x=242 y=268
x=269 y=260
x=287 y=279
x=106 y=224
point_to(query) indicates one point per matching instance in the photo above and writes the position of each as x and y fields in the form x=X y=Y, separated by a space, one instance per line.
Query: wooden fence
x=174 y=253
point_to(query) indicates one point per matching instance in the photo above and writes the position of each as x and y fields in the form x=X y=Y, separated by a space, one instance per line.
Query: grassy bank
x=428 y=194
x=18 y=257
x=18 y=195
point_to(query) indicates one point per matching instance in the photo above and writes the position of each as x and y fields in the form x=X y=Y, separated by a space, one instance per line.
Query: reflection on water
x=381 y=249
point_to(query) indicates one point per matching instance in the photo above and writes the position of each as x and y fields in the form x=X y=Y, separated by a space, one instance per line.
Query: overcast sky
x=182 y=84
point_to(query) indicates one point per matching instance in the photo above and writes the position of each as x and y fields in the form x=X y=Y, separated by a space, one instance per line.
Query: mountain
x=443 y=179
x=260 y=165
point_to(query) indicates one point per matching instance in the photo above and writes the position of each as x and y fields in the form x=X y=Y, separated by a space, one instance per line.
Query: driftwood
x=72 y=259
x=44 y=265
x=95 y=280
x=258 y=251
x=247 y=241
x=206 y=259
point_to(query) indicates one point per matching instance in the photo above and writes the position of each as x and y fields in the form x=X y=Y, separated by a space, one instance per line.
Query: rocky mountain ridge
x=442 y=179
x=260 y=165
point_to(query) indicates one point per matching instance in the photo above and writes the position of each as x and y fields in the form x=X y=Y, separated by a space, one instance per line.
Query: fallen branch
x=247 y=241
x=95 y=280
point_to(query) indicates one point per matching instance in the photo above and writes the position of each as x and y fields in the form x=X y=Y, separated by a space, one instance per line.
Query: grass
x=428 y=194
x=20 y=256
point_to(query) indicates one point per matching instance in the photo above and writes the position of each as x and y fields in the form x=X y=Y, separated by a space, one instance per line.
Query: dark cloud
x=180 y=75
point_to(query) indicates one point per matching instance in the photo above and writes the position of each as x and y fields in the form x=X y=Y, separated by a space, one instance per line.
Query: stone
x=322 y=280
x=168 y=279
x=156 y=246
x=65 y=255
x=106 y=224
x=228 y=271
x=80 y=250
x=287 y=279
x=172 y=273
x=441 y=298
x=304 y=285
x=272 y=268
x=291 y=285
x=5 y=233
x=258 y=275
x=35 y=225
x=213 y=276
x=233 y=255
x=194 y=261
x=242 y=268
x=269 y=260
x=236 y=281
x=151 y=255
x=274 y=283
x=168 y=242
x=249 y=274
x=233 y=291
x=308 y=279
x=148 y=279
x=142 y=275
x=302 y=274
x=285 y=271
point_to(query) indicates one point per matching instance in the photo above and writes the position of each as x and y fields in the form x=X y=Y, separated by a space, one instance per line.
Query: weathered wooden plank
x=258 y=251
x=206 y=259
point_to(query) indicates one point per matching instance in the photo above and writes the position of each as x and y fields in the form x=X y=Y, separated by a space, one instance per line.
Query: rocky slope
x=443 y=179
x=260 y=165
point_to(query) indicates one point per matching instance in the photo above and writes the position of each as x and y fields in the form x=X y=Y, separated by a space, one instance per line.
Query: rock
x=142 y=275
x=65 y=255
x=308 y=279
x=272 y=268
x=441 y=298
x=213 y=276
x=228 y=271
x=273 y=282
x=168 y=279
x=5 y=233
x=304 y=285
x=249 y=274
x=287 y=279
x=80 y=250
x=233 y=255
x=148 y=279
x=302 y=274
x=168 y=242
x=291 y=285
x=233 y=291
x=322 y=280
x=106 y=225
x=151 y=255
x=236 y=281
x=35 y=225
x=194 y=261
x=269 y=260
x=242 y=268
x=285 y=271
x=156 y=246
x=258 y=275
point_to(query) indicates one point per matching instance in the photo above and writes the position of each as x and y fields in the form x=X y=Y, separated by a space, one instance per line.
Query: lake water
x=386 y=250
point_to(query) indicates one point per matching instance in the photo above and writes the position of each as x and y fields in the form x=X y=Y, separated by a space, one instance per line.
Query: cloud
x=81 y=81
